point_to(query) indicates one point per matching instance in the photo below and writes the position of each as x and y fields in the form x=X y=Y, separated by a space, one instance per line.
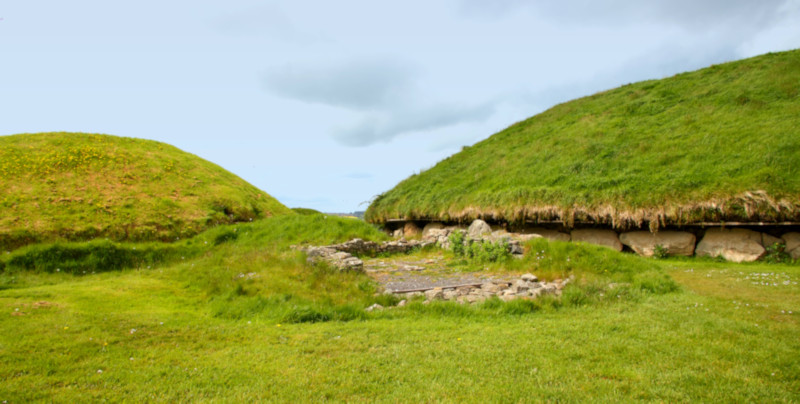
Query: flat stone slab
x=407 y=275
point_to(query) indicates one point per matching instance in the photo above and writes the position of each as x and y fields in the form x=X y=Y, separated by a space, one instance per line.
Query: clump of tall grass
x=478 y=251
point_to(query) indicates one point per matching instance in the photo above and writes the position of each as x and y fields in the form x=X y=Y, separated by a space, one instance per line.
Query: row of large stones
x=737 y=244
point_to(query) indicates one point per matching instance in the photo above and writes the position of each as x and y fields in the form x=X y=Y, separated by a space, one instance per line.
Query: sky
x=325 y=104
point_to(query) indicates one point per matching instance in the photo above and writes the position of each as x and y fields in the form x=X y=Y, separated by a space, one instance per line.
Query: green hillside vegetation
x=75 y=186
x=236 y=314
x=718 y=144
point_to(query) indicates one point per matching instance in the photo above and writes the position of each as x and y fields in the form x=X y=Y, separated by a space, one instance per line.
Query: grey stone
x=644 y=242
x=402 y=303
x=449 y=294
x=737 y=245
x=491 y=287
x=792 y=241
x=433 y=294
x=431 y=226
x=478 y=229
x=374 y=307
x=602 y=237
x=465 y=290
x=435 y=234
x=340 y=260
x=529 y=278
x=519 y=286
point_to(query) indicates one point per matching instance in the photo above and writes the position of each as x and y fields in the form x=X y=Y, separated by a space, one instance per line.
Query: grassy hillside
x=78 y=186
x=722 y=143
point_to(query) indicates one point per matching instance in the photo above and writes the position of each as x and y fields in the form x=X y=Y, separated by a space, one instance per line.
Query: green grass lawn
x=192 y=330
x=716 y=144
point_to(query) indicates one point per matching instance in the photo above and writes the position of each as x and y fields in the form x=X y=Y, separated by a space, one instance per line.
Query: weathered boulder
x=438 y=236
x=792 y=241
x=515 y=248
x=644 y=242
x=397 y=233
x=549 y=234
x=434 y=294
x=411 y=230
x=478 y=229
x=431 y=226
x=606 y=238
x=737 y=245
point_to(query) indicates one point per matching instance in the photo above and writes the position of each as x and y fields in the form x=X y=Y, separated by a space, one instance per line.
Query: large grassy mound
x=718 y=144
x=78 y=186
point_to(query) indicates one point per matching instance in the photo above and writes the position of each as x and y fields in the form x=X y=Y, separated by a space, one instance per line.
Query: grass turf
x=75 y=186
x=718 y=144
x=247 y=319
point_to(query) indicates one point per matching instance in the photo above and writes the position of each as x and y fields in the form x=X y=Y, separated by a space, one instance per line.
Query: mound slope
x=79 y=186
x=718 y=144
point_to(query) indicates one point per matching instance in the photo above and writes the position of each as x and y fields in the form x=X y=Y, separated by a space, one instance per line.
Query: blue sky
x=327 y=104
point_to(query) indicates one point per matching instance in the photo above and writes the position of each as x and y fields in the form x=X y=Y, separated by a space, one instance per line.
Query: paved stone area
x=398 y=274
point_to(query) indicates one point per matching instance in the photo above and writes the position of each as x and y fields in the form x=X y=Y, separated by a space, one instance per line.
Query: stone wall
x=732 y=244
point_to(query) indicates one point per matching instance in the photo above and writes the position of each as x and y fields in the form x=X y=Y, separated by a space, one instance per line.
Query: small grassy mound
x=75 y=186
x=306 y=211
x=718 y=144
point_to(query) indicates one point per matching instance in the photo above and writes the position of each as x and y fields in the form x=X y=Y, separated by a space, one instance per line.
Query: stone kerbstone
x=792 y=241
x=431 y=226
x=737 y=245
x=478 y=229
x=411 y=230
x=644 y=242
x=606 y=238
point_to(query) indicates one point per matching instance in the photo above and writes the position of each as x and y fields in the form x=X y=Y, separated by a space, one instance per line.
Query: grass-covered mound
x=718 y=144
x=77 y=186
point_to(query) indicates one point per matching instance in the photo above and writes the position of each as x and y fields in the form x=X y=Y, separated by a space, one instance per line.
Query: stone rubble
x=342 y=256
x=342 y=261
